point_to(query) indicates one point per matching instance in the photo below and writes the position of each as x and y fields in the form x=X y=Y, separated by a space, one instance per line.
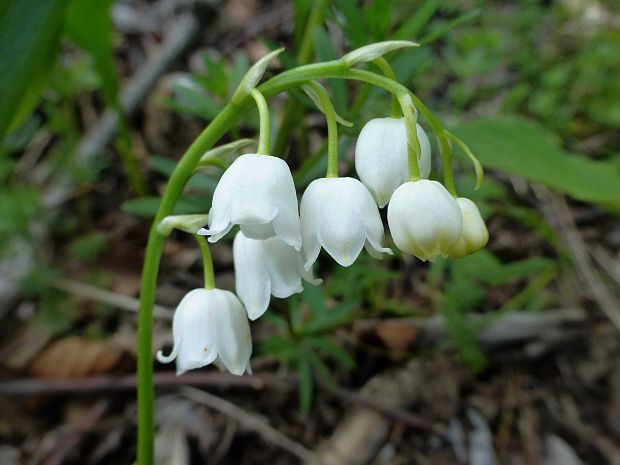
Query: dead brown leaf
x=396 y=334
x=75 y=357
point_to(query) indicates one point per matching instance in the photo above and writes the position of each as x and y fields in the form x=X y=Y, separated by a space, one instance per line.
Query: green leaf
x=89 y=25
x=484 y=266
x=353 y=26
x=314 y=296
x=191 y=99
x=412 y=27
x=524 y=148
x=378 y=14
x=368 y=53
x=333 y=318
x=29 y=34
x=332 y=349
x=305 y=385
x=199 y=181
x=321 y=369
x=445 y=28
x=463 y=336
x=253 y=76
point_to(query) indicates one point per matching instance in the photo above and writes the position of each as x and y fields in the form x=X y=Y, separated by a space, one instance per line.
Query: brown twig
x=252 y=422
x=68 y=444
x=362 y=432
x=123 y=302
x=558 y=213
x=567 y=419
x=108 y=384
x=408 y=418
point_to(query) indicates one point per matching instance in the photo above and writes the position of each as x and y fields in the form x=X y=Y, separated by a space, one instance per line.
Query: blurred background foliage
x=531 y=86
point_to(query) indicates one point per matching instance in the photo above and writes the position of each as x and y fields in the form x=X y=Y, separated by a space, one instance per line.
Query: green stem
x=388 y=72
x=332 y=130
x=222 y=123
x=264 y=128
x=155 y=245
x=207 y=261
x=410 y=114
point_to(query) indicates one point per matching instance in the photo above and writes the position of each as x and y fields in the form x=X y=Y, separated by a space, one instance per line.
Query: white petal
x=255 y=191
x=333 y=210
x=424 y=219
x=424 y=163
x=311 y=249
x=372 y=224
x=219 y=224
x=193 y=331
x=475 y=234
x=287 y=227
x=234 y=341
x=252 y=281
x=282 y=264
x=381 y=156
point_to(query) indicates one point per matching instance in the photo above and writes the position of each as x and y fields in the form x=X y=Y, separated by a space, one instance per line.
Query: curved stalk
x=207 y=262
x=264 y=134
x=388 y=72
x=332 y=130
x=224 y=121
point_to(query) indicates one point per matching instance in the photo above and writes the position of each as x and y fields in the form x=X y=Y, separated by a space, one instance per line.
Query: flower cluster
x=279 y=242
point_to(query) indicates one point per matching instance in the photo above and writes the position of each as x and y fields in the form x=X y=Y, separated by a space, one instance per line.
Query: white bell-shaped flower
x=264 y=268
x=475 y=235
x=257 y=193
x=381 y=156
x=340 y=215
x=424 y=219
x=210 y=326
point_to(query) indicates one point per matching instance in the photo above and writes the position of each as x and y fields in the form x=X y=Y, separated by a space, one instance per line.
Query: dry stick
x=568 y=420
x=179 y=35
x=362 y=432
x=85 y=425
x=252 y=422
x=559 y=214
x=114 y=299
x=108 y=384
x=414 y=421
x=513 y=327
x=510 y=328
x=607 y=262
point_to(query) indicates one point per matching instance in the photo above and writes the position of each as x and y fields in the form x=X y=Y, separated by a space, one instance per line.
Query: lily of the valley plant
x=279 y=238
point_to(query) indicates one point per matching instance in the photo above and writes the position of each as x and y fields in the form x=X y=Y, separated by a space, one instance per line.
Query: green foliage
x=302 y=337
x=89 y=25
x=466 y=290
x=89 y=247
x=520 y=147
x=32 y=29
x=198 y=199
x=203 y=94
x=19 y=205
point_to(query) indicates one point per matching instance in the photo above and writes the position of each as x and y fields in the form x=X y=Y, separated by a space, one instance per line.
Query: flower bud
x=475 y=235
x=424 y=219
x=381 y=156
